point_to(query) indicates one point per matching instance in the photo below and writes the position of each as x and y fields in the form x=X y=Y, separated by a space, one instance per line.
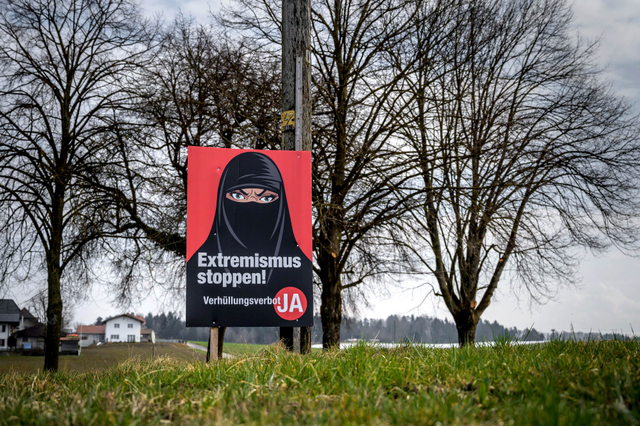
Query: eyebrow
x=275 y=194
x=260 y=194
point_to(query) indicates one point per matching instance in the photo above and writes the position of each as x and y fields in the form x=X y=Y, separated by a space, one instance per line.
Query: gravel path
x=202 y=348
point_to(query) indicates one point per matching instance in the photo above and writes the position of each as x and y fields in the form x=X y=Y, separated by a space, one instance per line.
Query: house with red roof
x=90 y=334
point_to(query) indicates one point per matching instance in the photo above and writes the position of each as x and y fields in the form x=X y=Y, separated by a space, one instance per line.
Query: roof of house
x=9 y=311
x=24 y=313
x=135 y=317
x=146 y=331
x=38 y=330
x=90 y=329
x=35 y=331
x=69 y=338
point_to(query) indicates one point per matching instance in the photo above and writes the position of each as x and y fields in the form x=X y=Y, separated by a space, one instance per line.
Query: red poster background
x=205 y=169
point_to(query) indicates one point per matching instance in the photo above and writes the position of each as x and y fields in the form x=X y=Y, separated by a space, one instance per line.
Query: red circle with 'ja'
x=290 y=303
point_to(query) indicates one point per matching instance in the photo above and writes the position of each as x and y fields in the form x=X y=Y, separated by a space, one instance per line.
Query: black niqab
x=247 y=228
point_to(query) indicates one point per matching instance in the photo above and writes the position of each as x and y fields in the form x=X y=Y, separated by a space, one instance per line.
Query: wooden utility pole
x=296 y=103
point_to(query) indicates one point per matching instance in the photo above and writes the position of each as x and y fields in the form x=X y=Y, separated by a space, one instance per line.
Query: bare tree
x=525 y=155
x=61 y=61
x=206 y=88
x=37 y=305
x=360 y=176
x=202 y=88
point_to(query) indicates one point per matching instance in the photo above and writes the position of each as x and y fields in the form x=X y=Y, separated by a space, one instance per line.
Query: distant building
x=25 y=327
x=31 y=337
x=123 y=328
x=9 y=320
x=27 y=319
x=90 y=334
x=119 y=328
x=70 y=345
x=145 y=335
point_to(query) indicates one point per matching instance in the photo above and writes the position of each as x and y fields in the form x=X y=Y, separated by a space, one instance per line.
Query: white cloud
x=199 y=9
x=617 y=23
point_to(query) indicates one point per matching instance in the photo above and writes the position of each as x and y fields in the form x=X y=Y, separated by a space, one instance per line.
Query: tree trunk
x=54 y=323
x=54 y=272
x=466 y=323
x=54 y=311
x=331 y=314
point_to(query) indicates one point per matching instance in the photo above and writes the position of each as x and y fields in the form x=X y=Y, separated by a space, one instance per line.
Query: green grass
x=560 y=383
x=237 y=349
x=103 y=357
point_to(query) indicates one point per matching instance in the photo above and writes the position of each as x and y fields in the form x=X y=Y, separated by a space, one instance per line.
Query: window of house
x=116 y=325
x=131 y=338
x=4 y=328
x=130 y=325
x=25 y=339
x=115 y=337
x=1 y=342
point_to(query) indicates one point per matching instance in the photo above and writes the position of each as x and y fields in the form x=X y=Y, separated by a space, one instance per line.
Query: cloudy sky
x=608 y=297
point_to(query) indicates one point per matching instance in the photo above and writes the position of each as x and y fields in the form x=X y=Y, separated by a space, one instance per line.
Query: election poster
x=249 y=253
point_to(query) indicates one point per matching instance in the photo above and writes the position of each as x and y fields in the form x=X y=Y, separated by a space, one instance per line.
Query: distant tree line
x=393 y=329
x=591 y=335
x=172 y=326
x=428 y=330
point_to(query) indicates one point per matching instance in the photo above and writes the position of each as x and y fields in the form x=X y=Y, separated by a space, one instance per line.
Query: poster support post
x=153 y=343
x=212 y=353
x=305 y=340
x=286 y=337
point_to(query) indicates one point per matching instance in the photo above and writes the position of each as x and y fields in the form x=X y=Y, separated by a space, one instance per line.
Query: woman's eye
x=237 y=196
x=267 y=198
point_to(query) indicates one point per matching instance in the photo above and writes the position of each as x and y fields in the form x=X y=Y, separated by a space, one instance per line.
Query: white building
x=9 y=320
x=123 y=328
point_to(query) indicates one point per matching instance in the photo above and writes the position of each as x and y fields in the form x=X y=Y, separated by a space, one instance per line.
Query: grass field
x=103 y=357
x=237 y=349
x=559 y=383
